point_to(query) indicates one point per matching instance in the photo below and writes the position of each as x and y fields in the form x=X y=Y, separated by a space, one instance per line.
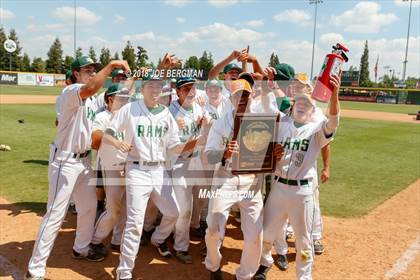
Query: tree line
x=138 y=57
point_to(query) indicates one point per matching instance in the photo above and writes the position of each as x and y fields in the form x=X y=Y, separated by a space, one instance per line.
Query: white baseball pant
x=283 y=203
x=115 y=209
x=142 y=183
x=66 y=176
x=184 y=180
x=251 y=221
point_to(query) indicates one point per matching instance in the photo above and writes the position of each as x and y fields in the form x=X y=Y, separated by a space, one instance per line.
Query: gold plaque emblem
x=257 y=137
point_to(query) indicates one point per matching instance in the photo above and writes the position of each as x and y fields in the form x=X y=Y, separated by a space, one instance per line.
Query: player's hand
x=257 y=76
x=124 y=146
x=243 y=56
x=120 y=64
x=278 y=151
x=181 y=123
x=325 y=175
x=235 y=54
x=232 y=148
x=169 y=61
x=335 y=81
x=200 y=100
x=270 y=72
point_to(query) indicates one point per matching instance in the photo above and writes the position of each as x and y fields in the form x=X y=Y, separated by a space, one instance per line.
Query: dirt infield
x=380 y=116
x=27 y=99
x=371 y=247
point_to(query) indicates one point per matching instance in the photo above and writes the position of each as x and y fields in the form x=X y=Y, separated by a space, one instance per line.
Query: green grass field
x=29 y=90
x=380 y=107
x=371 y=160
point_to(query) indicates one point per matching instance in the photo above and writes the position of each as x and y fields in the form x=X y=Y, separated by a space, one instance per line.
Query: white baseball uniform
x=200 y=204
x=291 y=195
x=187 y=172
x=100 y=102
x=242 y=190
x=111 y=162
x=69 y=171
x=151 y=132
x=280 y=244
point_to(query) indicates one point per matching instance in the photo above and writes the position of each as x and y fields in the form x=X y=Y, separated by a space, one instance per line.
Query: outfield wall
x=31 y=79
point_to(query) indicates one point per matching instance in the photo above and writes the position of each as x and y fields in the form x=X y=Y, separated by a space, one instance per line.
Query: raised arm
x=97 y=81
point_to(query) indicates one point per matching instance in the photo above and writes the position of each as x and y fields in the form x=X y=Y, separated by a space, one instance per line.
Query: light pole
x=74 y=29
x=316 y=2
x=406 y=45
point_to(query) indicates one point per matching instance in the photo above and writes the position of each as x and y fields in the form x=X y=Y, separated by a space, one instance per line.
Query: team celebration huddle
x=154 y=159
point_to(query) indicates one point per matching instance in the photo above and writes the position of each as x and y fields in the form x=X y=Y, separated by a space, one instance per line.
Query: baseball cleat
x=261 y=273
x=100 y=248
x=163 y=250
x=199 y=232
x=72 y=209
x=115 y=248
x=145 y=237
x=282 y=262
x=92 y=256
x=318 y=247
x=238 y=217
x=216 y=275
x=28 y=276
x=184 y=257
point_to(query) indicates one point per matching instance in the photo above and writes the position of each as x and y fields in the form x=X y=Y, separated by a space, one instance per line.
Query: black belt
x=291 y=182
x=149 y=163
x=81 y=155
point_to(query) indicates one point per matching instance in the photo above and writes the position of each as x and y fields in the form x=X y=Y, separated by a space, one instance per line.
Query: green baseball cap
x=185 y=81
x=68 y=74
x=232 y=66
x=117 y=71
x=83 y=61
x=214 y=82
x=285 y=72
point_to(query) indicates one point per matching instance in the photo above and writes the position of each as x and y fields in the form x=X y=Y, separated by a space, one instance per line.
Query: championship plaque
x=256 y=135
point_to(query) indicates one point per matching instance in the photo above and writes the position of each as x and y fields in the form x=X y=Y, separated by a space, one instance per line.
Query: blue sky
x=187 y=28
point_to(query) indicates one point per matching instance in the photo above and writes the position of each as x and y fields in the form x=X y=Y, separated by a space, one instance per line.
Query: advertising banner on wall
x=7 y=78
x=26 y=79
x=45 y=80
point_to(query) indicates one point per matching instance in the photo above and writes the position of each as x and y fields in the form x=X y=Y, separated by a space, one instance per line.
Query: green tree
x=4 y=55
x=54 y=63
x=26 y=63
x=364 y=80
x=116 y=56
x=387 y=82
x=68 y=60
x=129 y=55
x=274 y=60
x=142 y=57
x=105 y=56
x=92 y=53
x=16 y=57
x=192 y=62
x=79 y=52
x=411 y=82
x=206 y=63
x=38 y=65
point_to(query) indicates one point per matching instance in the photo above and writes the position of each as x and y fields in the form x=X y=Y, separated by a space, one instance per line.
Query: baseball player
x=69 y=166
x=111 y=163
x=117 y=75
x=187 y=167
x=72 y=206
x=215 y=107
x=230 y=70
x=150 y=134
x=219 y=148
x=291 y=195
